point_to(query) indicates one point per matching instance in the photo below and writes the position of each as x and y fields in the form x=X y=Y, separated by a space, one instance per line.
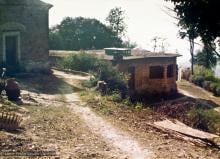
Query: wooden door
x=11 y=53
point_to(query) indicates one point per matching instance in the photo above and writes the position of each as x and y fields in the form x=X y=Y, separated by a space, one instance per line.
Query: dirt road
x=120 y=141
x=85 y=134
x=57 y=121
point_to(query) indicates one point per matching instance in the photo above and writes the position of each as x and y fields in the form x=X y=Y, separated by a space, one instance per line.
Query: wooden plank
x=184 y=129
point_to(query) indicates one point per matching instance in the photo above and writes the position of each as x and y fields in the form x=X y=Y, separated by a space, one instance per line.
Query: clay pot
x=12 y=89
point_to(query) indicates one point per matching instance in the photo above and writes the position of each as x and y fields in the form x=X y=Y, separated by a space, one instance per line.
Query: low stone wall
x=35 y=66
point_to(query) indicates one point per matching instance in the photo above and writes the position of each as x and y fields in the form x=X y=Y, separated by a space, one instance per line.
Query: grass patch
x=7 y=106
x=57 y=122
x=113 y=103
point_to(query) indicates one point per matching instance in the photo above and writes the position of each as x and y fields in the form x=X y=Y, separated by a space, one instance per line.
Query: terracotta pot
x=12 y=89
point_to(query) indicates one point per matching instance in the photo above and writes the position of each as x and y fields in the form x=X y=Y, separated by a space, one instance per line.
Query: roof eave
x=48 y=5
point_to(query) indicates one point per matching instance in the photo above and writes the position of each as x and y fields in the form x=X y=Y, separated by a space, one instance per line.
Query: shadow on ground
x=46 y=84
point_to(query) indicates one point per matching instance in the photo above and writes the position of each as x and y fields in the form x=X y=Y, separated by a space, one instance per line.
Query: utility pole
x=155 y=43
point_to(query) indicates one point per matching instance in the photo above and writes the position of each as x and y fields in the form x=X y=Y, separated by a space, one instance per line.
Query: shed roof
x=25 y=2
x=119 y=49
x=142 y=54
x=136 y=54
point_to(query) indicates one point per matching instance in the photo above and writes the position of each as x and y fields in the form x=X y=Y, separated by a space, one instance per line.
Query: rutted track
x=121 y=142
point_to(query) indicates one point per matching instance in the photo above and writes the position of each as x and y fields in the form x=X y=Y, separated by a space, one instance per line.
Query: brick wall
x=143 y=82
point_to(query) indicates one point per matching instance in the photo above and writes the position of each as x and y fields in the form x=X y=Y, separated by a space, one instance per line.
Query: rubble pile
x=176 y=109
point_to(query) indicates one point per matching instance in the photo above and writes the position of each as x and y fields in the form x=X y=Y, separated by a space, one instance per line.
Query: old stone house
x=24 y=35
x=149 y=73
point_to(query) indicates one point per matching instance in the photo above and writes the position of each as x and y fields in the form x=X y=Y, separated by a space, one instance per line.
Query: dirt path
x=57 y=120
x=193 y=91
x=121 y=142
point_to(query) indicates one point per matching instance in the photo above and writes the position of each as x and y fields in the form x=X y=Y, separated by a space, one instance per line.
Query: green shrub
x=102 y=70
x=212 y=87
x=204 y=72
x=79 y=62
x=83 y=93
x=198 y=80
x=206 y=84
x=115 y=80
x=127 y=102
x=91 y=83
x=212 y=78
x=139 y=106
x=217 y=91
x=205 y=119
x=208 y=74
x=206 y=78
x=116 y=96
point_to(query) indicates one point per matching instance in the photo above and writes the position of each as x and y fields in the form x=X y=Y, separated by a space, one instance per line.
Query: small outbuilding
x=24 y=30
x=149 y=73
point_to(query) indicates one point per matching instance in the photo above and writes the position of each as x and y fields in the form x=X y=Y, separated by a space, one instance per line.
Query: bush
x=198 y=80
x=208 y=74
x=206 y=84
x=217 y=91
x=102 y=70
x=139 y=106
x=212 y=87
x=212 y=78
x=79 y=62
x=127 y=102
x=91 y=83
x=206 y=78
x=204 y=72
x=116 y=96
x=115 y=80
x=205 y=119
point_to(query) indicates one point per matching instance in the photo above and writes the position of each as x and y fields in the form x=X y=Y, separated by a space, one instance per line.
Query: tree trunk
x=192 y=54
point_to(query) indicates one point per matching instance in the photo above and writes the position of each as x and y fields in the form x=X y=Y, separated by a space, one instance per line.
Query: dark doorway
x=11 y=53
x=131 y=81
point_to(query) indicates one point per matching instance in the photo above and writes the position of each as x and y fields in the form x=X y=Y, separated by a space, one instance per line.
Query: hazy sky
x=145 y=19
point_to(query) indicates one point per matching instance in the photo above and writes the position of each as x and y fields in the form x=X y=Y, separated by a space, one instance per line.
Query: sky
x=145 y=19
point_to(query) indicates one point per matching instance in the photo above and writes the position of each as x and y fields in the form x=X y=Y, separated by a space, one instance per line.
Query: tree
x=191 y=35
x=129 y=44
x=202 y=15
x=82 y=33
x=115 y=19
x=206 y=58
x=55 y=40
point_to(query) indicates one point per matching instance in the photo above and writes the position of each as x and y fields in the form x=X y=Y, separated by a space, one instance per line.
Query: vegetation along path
x=119 y=140
x=193 y=91
x=55 y=119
